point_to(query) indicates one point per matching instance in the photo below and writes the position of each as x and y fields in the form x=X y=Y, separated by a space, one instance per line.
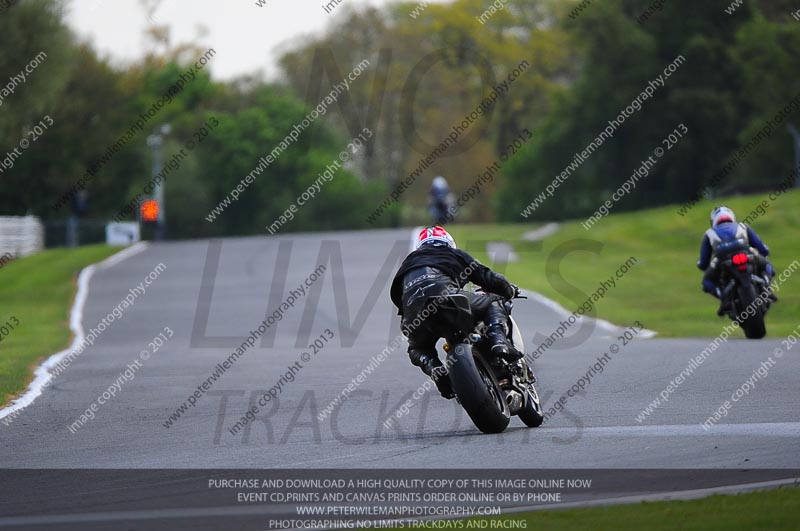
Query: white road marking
x=124 y=254
x=545 y=231
x=602 y=323
x=553 y=305
x=42 y=374
x=763 y=429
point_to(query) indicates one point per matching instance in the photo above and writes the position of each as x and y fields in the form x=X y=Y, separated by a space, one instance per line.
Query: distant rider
x=725 y=229
x=441 y=201
x=435 y=268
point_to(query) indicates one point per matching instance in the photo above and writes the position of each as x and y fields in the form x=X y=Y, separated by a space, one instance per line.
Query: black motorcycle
x=490 y=389
x=743 y=280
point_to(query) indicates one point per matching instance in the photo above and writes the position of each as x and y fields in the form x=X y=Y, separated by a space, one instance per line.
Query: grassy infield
x=38 y=291
x=662 y=291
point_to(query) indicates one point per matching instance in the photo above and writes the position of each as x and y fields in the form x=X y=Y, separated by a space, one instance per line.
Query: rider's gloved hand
x=512 y=291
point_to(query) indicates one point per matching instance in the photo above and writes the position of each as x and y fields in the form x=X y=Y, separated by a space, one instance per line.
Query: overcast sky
x=245 y=36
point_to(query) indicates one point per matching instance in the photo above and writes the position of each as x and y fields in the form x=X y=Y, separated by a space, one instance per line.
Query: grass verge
x=776 y=510
x=663 y=290
x=37 y=291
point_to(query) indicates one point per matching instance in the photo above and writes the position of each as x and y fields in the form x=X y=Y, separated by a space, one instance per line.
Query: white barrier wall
x=21 y=236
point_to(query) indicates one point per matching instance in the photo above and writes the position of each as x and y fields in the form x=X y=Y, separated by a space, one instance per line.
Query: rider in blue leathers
x=725 y=229
x=441 y=202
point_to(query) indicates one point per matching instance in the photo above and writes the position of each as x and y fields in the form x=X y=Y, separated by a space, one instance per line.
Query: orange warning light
x=149 y=211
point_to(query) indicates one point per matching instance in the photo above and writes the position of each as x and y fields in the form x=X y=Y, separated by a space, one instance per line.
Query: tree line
x=427 y=74
x=656 y=66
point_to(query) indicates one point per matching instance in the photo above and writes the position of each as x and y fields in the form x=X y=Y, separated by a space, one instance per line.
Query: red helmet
x=435 y=236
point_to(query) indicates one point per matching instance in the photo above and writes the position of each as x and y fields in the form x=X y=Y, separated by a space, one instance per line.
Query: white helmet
x=435 y=236
x=722 y=214
x=440 y=183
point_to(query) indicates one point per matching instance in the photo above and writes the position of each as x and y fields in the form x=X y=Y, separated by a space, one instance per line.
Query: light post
x=155 y=142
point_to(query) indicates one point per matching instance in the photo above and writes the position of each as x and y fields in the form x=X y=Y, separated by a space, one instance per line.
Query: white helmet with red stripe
x=722 y=214
x=435 y=236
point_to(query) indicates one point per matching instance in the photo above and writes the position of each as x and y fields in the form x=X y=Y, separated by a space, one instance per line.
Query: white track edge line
x=42 y=374
x=556 y=307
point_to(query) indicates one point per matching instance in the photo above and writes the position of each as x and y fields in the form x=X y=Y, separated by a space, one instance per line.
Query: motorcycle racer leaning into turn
x=437 y=267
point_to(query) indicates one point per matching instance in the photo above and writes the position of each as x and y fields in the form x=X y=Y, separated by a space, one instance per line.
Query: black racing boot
x=725 y=306
x=772 y=296
x=498 y=335
x=768 y=279
x=433 y=368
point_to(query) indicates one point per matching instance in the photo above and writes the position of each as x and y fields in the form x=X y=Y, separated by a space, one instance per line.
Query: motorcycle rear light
x=739 y=259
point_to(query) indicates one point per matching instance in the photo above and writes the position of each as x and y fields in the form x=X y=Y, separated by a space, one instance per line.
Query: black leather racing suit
x=433 y=270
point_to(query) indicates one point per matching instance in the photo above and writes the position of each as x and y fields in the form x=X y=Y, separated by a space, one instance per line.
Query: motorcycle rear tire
x=477 y=390
x=753 y=326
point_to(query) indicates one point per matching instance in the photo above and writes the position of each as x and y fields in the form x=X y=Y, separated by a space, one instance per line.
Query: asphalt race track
x=212 y=294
